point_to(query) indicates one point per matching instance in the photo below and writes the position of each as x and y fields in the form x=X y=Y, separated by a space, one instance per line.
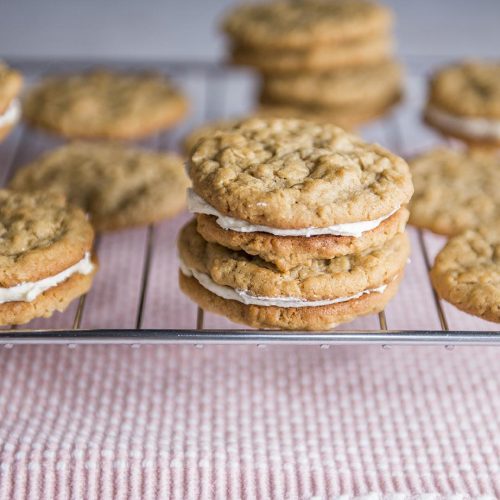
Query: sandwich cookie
x=464 y=102
x=316 y=296
x=119 y=187
x=46 y=255
x=455 y=190
x=466 y=272
x=10 y=108
x=105 y=105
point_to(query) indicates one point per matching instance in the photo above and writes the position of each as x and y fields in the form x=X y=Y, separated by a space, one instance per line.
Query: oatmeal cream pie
x=10 y=108
x=316 y=296
x=105 y=105
x=118 y=186
x=464 y=102
x=455 y=190
x=290 y=177
x=45 y=255
x=466 y=272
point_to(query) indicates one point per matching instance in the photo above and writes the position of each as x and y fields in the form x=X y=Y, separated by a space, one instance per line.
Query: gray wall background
x=156 y=29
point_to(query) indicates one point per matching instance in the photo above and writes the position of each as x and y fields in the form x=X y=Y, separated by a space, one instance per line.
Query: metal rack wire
x=140 y=306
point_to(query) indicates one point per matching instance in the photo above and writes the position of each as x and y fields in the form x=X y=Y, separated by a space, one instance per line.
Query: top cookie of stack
x=329 y=60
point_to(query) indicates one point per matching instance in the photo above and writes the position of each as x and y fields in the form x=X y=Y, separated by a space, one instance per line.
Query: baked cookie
x=10 y=109
x=45 y=255
x=198 y=133
x=290 y=25
x=320 y=58
x=369 y=86
x=464 y=102
x=455 y=190
x=119 y=187
x=286 y=252
x=250 y=281
x=105 y=105
x=466 y=272
x=296 y=178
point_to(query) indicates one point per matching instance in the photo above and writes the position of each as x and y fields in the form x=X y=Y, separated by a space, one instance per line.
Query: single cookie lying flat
x=45 y=255
x=455 y=190
x=10 y=109
x=237 y=276
x=286 y=252
x=466 y=272
x=464 y=102
x=285 y=174
x=102 y=104
x=119 y=187
x=296 y=24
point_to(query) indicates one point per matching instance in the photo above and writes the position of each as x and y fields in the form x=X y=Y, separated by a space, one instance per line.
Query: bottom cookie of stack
x=318 y=295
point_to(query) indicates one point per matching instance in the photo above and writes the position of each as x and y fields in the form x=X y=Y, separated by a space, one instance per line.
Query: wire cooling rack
x=135 y=298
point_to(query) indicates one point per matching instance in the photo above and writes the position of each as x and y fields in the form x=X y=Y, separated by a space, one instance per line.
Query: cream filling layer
x=198 y=205
x=478 y=128
x=244 y=297
x=11 y=114
x=30 y=290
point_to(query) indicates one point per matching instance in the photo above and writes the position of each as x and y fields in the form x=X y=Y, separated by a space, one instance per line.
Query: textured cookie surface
x=40 y=236
x=455 y=190
x=118 y=186
x=320 y=279
x=469 y=89
x=286 y=252
x=297 y=174
x=102 y=104
x=368 y=84
x=315 y=58
x=466 y=272
x=198 y=133
x=10 y=85
x=54 y=299
x=288 y=318
x=295 y=24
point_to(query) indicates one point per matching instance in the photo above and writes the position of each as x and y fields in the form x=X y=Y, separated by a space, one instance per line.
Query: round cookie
x=318 y=280
x=283 y=24
x=294 y=174
x=44 y=255
x=119 y=187
x=466 y=272
x=455 y=190
x=464 y=102
x=368 y=86
x=320 y=58
x=105 y=105
x=290 y=318
x=286 y=252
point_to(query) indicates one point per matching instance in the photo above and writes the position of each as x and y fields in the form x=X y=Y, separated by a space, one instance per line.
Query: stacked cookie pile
x=329 y=60
x=10 y=109
x=298 y=225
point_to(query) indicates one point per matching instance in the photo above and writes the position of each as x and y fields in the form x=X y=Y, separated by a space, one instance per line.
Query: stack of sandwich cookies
x=119 y=187
x=10 y=107
x=320 y=59
x=298 y=226
x=105 y=105
x=46 y=255
x=464 y=102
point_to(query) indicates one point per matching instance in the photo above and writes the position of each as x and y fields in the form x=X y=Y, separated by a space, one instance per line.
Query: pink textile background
x=243 y=422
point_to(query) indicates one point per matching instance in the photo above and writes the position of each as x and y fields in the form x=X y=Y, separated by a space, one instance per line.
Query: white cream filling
x=478 y=128
x=30 y=290
x=244 y=297
x=198 y=205
x=11 y=114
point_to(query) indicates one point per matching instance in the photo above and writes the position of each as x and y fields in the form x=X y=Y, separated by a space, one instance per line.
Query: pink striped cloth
x=245 y=423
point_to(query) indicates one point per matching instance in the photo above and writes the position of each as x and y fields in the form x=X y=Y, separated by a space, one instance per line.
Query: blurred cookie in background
x=464 y=102
x=119 y=187
x=105 y=105
x=11 y=82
